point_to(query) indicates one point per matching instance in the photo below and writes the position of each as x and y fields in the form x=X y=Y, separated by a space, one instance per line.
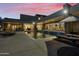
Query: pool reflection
x=38 y=35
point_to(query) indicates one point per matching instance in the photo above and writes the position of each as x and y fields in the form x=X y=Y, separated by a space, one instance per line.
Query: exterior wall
x=26 y=26
x=55 y=27
x=9 y=27
x=72 y=27
x=39 y=26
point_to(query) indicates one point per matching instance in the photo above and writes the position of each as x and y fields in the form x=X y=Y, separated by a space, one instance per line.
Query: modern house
x=65 y=20
x=51 y=22
x=10 y=24
x=71 y=25
x=31 y=22
x=28 y=21
x=23 y=24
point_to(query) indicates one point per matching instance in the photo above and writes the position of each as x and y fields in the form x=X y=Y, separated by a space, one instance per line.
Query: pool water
x=38 y=35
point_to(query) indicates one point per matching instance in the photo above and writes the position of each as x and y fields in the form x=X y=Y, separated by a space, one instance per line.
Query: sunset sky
x=13 y=10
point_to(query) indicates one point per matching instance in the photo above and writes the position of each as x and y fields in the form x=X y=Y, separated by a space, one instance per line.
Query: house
x=71 y=25
x=63 y=20
x=51 y=22
x=40 y=25
x=31 y=21
x=28 y=21
x=10 y=24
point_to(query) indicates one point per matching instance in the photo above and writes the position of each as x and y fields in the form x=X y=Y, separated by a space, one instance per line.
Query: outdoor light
x=39 y=18
x=33 y=22
x=65 y=11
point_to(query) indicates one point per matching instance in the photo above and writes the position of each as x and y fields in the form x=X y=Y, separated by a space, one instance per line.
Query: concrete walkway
x=22 y=45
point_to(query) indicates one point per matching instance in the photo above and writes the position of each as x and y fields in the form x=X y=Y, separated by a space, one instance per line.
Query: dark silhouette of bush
x=68 y=51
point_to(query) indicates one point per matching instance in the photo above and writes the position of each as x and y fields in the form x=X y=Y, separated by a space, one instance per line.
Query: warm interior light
x=39 y=18
x=33 y=23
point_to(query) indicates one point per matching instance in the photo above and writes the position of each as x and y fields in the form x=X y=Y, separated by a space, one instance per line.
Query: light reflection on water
x=38 y=35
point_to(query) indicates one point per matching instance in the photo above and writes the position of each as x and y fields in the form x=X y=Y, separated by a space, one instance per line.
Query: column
x=43 y=28
x=35 y=30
